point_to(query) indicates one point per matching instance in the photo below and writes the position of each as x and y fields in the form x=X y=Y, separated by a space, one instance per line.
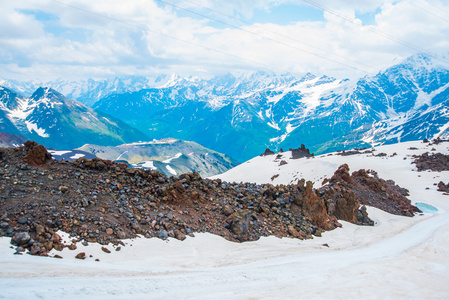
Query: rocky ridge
x=104 y=201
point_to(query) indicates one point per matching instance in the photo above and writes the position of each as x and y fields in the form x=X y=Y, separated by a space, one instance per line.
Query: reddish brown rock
x=37 y=154
x=179 y=235
x=346 y=192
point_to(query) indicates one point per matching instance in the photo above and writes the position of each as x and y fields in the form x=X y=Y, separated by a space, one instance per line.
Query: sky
x=80 y=39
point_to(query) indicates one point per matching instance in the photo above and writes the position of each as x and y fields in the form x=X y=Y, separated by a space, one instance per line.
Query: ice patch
x=426 y=208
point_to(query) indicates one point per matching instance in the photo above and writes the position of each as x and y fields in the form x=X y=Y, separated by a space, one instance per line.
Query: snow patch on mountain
x=32 y=127
x=146 y=165
x=167 y=161
x=443 y=131
x=171 y=170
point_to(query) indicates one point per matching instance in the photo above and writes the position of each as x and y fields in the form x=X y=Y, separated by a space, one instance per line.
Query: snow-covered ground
x=399 y=257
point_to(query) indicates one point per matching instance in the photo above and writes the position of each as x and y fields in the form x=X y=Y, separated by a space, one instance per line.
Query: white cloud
x=125 y=37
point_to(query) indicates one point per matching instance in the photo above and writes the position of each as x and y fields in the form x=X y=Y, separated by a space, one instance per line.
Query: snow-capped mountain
x=89 y=91
x=56 y=121
x=241 y=115
x=237 y=115
x=169 y=156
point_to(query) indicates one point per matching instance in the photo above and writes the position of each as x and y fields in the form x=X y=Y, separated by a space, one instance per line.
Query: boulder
x=240 y=224
x=37 y=154
x=21 y=238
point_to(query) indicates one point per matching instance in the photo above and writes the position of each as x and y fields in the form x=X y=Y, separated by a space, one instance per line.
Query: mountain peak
x=46 y=92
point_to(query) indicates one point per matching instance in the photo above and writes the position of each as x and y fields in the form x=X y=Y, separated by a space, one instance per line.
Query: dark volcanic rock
x=267 y=152
x=103 y=201
x=443 y=187
x=434 y=162
x=301 y=152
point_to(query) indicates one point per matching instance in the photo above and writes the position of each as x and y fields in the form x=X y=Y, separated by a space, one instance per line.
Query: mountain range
x=241 y=115
x=50 y=118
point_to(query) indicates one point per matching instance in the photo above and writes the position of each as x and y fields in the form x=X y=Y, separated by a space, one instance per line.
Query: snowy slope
x=399 y=257
x=262 y=168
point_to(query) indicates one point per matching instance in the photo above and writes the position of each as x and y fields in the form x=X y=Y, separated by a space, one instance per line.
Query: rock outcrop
x=364 y=187
x=434 y=162
x=37 y=155
x=301 y=152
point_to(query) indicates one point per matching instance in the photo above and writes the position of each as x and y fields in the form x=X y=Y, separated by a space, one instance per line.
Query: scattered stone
x=4 y=225
x=21 y=238
x=292 y=231
x=443 y=187
x=227 y=210
x=105 y=250
x=240 y=224
x=63 y=189
x=179 y=235
x=22 y=221
x=40 y=230
x=162 y=234
x=81 y=255
x=84 y=202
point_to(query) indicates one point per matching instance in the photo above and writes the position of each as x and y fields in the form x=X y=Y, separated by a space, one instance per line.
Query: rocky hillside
x=11 y=140
x=104 y=201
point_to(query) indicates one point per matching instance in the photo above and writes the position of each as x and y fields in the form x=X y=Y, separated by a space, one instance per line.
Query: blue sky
x=50 y=39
